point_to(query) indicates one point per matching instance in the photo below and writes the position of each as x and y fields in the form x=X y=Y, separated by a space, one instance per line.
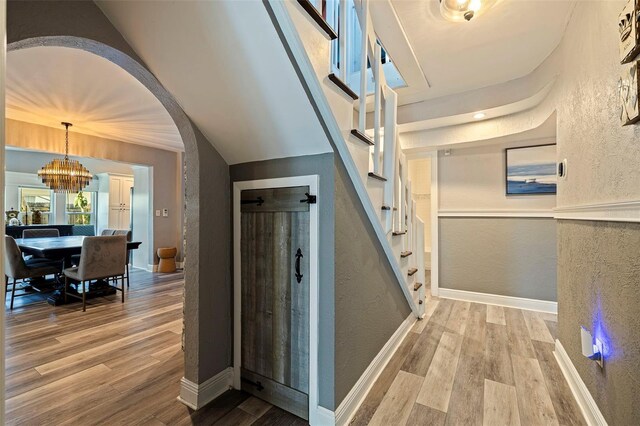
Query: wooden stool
x=167 y=257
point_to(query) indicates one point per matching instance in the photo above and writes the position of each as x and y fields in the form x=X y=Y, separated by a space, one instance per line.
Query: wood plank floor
x=473 y=364
x=116 y=364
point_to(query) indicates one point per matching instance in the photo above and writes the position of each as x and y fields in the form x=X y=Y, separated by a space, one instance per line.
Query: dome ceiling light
x=464 y=10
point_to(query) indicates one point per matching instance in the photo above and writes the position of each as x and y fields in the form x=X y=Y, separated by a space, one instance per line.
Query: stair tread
x=406 y=253
x=396 y=233
x=343 y=86
x=377 y=176
x=417 y=286
x=389 y=208
x=317 y=17
x=362 y=136
x=412 y=271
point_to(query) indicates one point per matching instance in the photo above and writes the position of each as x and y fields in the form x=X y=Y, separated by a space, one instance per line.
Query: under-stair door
x=275 y=296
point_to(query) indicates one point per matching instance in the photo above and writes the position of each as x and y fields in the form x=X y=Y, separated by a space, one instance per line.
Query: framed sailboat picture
x=531 y=170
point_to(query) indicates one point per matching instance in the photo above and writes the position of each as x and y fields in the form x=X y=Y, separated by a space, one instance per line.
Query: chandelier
x=64 y=175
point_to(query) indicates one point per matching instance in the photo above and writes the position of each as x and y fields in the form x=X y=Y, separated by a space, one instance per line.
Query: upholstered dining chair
x=75 y=259
x=107 y=231
x=40 y=233
x=101 y=258
x=17 y=268
x=128 y=233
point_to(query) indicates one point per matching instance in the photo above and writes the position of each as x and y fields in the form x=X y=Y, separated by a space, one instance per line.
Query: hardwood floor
x=114 y=364
x=473 y=364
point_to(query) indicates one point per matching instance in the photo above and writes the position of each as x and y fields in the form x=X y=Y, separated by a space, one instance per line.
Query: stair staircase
x=373 y=157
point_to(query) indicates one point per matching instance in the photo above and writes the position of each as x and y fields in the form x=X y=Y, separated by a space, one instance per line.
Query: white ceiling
x=227 y=68
x=47 y=85
x=507 y=42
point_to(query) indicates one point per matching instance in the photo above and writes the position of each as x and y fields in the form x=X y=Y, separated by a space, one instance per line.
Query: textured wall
x=598 y=262
x=369 y=304
x=321 y=165
x=600 y=289
x=506 y=256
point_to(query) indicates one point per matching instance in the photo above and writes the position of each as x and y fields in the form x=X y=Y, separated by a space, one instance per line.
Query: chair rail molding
x=534 y=213
x=583 y=397
x=617 y=211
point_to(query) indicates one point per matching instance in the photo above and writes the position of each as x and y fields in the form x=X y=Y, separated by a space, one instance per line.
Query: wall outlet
x=165 y=212
x=158 y=213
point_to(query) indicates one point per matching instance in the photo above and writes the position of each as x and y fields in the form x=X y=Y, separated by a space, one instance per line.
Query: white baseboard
x=585 y=401
x=496 y=299
x=196 y=396
x=354 y=398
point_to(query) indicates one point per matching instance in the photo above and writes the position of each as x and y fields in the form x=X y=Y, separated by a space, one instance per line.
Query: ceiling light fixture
x=464 y=10
x=64 y=175
x=479 y=115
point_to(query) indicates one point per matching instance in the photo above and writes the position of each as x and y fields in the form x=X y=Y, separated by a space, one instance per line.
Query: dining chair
x=40 y=233
x=75 y=259
x=17 y=268
x=101 y=257
x=126 y=232
x=106 y=232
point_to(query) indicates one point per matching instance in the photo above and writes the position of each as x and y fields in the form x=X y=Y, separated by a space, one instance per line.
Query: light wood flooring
x=473 y=364
x=116 y=364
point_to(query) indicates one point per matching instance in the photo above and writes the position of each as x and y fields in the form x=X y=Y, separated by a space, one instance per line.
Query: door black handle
x=298 y=274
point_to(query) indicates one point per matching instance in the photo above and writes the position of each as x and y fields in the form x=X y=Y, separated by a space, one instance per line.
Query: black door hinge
x=311 y=199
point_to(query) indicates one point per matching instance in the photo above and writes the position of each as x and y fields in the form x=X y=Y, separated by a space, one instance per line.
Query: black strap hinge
x=311 y=199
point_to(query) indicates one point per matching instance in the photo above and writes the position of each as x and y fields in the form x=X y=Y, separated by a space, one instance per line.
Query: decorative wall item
x=629 y=34
x=628 y=87
x=12 y=214
x=531 y=170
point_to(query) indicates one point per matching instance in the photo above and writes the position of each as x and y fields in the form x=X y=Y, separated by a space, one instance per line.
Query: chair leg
x=127 y=275
x=122 y=278
x=84 y=298
x=6 y=287
x=66 y=284
x=13 y=292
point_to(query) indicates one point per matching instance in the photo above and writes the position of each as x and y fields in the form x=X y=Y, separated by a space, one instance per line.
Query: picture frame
x=531 y=170
x=628 y=27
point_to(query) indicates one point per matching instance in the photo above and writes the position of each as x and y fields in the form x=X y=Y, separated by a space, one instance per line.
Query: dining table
x=62 y=248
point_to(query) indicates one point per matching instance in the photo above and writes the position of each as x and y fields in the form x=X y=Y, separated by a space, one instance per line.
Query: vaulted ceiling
x=47 y=85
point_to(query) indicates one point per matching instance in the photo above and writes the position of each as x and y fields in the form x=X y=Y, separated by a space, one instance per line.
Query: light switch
x=165 y=212
x=158 y=213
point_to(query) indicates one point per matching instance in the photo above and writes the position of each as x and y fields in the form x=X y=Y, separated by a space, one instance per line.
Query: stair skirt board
x=363 y=137
x=499 y=300
x=195 y=396
x=350 y=404
x=343 y=86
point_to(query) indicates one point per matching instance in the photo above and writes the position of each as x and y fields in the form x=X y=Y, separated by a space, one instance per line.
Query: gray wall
x=321 y=165
x=369 y=304
x=207 y=312
x=599 y=289
x=599 y=262
x=506 y=256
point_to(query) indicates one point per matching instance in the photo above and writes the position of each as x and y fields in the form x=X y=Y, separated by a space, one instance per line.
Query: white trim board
x=316 y=414
x=196 y=396
x=623 y=211
x=434 y=262
x=583 y=397
x=349 y=406
x=504 y=213
x=496 y=299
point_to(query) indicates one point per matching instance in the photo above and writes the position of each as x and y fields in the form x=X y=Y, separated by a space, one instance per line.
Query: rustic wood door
x=275 y=296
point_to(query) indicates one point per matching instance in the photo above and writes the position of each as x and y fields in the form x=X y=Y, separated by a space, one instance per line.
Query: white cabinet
x=114 y=201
